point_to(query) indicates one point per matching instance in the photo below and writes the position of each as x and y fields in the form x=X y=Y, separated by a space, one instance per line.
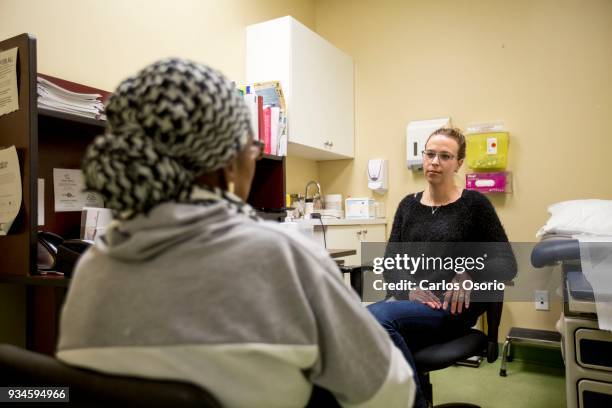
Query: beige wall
x=99 y=43
x=543 y=67
x=299 y=173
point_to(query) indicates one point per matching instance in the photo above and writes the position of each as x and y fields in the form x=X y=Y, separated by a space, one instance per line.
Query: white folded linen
x=596 y=261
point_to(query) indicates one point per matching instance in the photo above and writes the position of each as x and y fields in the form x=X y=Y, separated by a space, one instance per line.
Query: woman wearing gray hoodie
x=187 y=284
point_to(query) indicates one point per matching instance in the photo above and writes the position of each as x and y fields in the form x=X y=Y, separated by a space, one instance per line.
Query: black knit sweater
x=470 y=219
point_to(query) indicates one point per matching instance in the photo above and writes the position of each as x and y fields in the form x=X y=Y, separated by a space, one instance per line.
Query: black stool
x=534 y=337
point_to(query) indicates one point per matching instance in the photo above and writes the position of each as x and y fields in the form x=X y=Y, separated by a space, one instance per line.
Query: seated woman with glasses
x=188 y=284
x=442 y=213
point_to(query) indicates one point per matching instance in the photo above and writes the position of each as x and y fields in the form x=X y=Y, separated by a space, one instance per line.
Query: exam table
x=587 y=351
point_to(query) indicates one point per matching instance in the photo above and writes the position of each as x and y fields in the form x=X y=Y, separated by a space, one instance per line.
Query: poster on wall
x=10 y=188
x=9 y=97
x=69 y=194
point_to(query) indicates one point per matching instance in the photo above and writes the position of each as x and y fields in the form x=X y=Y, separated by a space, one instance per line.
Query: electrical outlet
x=541 y=300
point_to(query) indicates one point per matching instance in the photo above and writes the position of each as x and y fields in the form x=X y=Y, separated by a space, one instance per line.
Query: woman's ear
x=239 y=172
x=230 y=174
x=459 y=164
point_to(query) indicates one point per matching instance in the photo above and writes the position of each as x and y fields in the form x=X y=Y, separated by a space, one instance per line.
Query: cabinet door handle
x=331 y=144
x=359 y=232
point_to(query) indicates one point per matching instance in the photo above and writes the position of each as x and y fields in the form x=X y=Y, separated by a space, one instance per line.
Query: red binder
x=260 y=115
x=267 y=130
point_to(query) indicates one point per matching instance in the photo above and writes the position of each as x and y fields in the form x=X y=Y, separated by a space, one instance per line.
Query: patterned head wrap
x=168 y=124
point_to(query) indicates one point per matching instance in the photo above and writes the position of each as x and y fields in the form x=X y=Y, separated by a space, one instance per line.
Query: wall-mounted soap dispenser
x=378 y=175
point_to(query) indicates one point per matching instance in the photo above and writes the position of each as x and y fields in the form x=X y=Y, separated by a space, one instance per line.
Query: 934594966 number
x=34 y=394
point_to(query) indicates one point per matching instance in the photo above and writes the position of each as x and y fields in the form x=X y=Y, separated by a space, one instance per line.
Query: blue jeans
x=414 y=325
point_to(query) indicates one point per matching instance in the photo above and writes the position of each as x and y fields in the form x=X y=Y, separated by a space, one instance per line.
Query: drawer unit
x=594 y=394
x=594 y=349
x=588 y=376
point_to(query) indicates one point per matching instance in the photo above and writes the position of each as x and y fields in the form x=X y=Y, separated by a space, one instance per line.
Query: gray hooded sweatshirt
x=251 y=312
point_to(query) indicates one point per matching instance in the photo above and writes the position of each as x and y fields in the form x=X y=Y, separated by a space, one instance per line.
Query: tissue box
x=499 y=182
x=360 y=208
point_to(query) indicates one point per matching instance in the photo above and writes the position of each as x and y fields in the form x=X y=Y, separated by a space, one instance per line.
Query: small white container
x=94 y=221
x=309 y=209
x=333 y=202
x=360 y=208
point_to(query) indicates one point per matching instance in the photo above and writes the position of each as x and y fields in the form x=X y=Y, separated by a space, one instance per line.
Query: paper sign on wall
x=10 y=188
x=68 y=194
x=9 y=97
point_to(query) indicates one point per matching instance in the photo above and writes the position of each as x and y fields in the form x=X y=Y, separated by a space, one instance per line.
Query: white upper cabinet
x=317 y=80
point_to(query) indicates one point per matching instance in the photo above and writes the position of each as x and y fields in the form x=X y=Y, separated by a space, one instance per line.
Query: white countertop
x=343 y=221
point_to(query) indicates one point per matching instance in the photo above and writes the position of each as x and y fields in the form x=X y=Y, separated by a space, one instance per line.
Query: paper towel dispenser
x=417 y=133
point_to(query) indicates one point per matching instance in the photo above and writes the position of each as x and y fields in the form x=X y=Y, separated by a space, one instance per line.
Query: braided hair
x=168 y=124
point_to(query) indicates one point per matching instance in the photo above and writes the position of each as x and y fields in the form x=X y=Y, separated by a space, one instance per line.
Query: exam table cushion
x=551 y=251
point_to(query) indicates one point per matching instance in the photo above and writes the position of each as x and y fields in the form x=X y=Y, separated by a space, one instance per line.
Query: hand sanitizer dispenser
x=417 y=133
x=378 y=175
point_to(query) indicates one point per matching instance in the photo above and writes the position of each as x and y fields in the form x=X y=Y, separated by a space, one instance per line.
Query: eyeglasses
x=257 y=147
x=442 y=156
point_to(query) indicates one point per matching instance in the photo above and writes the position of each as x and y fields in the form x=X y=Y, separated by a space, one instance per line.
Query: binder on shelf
x=274 y=129
x=267 y=115
x=282 y=136
x=251 y=101
x=260 y=119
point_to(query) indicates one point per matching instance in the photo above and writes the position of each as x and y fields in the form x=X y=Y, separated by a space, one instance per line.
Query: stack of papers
x=54 y=97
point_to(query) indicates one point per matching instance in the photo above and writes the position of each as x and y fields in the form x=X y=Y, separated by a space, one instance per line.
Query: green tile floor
x=526 y=386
